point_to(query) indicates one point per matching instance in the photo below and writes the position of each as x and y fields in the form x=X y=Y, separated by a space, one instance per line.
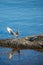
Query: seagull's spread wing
x=11 y=31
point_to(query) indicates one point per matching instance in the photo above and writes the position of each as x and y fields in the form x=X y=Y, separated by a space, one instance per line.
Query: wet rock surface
x=30 y=42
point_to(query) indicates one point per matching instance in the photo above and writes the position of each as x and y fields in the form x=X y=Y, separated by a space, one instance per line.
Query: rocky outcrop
x=30 y=42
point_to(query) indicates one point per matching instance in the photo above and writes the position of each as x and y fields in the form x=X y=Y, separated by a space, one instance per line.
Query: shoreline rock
x=29 y=42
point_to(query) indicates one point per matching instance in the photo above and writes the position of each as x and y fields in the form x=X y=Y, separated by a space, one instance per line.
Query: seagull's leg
x=17 y=41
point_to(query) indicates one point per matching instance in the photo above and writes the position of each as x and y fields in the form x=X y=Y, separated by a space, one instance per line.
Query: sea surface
x=25 y=16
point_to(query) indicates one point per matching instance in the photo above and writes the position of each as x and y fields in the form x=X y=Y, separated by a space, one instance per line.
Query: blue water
x=27 y=17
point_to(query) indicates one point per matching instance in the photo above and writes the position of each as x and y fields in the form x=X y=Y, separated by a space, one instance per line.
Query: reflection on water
x=22 y=57
x=12 y=53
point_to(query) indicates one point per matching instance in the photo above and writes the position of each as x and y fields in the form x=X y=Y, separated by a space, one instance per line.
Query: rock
x=30 y=42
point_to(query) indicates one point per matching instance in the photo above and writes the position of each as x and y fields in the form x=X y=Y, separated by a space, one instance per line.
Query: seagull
x=12 y=33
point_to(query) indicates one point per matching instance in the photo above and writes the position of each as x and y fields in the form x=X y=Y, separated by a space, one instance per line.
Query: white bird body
x=14 y=34
x=11 y=32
